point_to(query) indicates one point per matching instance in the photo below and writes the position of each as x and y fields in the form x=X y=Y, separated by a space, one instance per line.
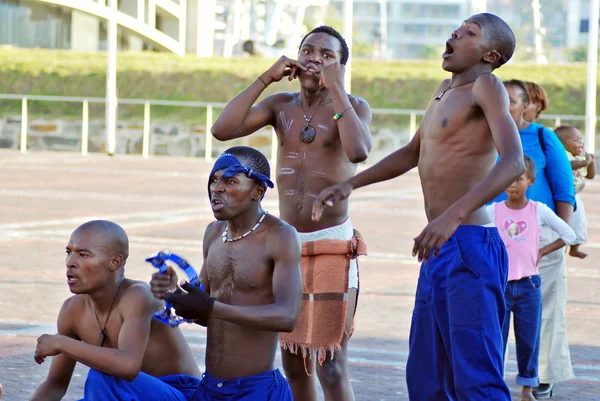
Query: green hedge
x=406 y=85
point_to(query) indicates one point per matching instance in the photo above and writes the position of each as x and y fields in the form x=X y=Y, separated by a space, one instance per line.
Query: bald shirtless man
x=323 y=132
x=252 y=284
x=108 y=326
x=456 y=338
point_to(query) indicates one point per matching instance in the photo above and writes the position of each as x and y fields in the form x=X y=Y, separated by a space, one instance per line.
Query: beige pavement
x=162 y=203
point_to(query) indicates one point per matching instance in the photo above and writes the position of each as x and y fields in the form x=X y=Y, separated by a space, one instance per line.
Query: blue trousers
x=268 y=386
x=102 y=387
x=455 y=346
x=524 y=300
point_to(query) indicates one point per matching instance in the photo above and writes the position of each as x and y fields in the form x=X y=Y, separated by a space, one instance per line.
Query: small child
x=519 y=221
x=584 y=166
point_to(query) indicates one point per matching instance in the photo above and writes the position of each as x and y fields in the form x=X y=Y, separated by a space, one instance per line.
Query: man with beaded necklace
x=252 y=284
x=323 y=132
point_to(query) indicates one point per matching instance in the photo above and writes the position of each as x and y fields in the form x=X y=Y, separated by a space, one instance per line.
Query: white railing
x=209 y=106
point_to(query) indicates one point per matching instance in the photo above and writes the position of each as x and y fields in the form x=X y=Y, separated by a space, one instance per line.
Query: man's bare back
x=454 y=134
x=108 y=326
x=166 y=352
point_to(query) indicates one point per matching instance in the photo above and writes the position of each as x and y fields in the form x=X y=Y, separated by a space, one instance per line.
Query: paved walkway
x=162 y=203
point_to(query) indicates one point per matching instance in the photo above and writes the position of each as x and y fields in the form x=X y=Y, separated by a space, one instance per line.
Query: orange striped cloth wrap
x=321 y=325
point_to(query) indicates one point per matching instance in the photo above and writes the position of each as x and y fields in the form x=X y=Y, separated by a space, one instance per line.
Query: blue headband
x=232 y=166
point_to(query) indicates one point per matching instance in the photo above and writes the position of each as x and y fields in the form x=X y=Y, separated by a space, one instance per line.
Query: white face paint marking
x=312 y=195
x=285 y=123
x=316 y=173
x=292 y=155
x=286 y=171
x=289 y=192
x=323 y=127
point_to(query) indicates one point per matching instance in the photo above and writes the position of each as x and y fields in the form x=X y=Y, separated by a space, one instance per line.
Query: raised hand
x=329 y=197
x=589 y=158
x=161 y=284
x=195 y=305
x=284 y=67
x=333 y=76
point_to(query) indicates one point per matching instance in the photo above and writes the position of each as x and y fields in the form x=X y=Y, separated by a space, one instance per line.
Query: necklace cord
x=309 y=119
x=109 y=311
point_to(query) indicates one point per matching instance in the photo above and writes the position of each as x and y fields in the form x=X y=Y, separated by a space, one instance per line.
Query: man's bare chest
x=242 y=265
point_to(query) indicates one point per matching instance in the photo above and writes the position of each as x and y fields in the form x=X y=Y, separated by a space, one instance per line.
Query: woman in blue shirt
x=554 y=187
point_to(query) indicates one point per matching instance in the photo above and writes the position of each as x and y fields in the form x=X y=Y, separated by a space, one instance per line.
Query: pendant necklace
x=308 y=133
x=440 y=94
x=247 y=233
x=101 y=338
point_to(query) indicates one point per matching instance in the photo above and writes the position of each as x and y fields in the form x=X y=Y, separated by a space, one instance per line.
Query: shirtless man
x=252 y=284
x=316 y=150
x=108 y=326
x=456 y=338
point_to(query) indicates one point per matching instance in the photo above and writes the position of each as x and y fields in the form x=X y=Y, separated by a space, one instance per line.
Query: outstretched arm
x=136 y=308
x=490 y=95
x=61 y=369
x=397 y=163
x=241 y=117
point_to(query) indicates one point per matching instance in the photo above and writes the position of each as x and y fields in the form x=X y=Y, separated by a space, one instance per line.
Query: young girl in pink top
x=519 y=220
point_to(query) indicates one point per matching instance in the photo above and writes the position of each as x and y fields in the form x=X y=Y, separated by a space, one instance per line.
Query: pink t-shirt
x=521 y=233
x=520 y=230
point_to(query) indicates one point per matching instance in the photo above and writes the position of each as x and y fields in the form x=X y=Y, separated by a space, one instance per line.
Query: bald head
x=501 y=38
x=565 y=132
x=112 y=235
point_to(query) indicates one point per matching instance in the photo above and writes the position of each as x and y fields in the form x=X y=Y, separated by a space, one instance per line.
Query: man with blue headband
x=252 y=284
x=322 y=133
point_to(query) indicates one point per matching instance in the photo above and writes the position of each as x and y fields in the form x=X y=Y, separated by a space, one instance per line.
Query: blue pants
x=455 y=346
x=102 y=387
x=524 y=300
x=268 y=386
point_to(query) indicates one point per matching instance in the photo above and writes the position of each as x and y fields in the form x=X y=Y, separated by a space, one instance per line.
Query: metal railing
x=210 y=106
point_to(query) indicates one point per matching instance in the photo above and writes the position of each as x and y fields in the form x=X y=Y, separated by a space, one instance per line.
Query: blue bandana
x=232 y=166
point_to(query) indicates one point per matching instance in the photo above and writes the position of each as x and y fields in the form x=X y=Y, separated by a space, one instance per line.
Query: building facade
x=400 y=29
x=164 y=25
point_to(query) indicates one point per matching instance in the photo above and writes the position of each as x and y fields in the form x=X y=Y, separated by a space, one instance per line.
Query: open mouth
x=311 y=69
x=449 y=50
x=216 y=204
x=71 y=278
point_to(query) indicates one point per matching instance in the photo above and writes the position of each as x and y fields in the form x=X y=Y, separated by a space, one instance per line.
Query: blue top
x=554 y=177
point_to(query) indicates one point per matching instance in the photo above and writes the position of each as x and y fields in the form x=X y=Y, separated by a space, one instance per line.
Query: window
x=31 y=24
x=584 y=26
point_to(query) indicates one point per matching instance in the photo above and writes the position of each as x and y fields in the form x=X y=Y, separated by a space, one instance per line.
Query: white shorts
x=344 y=231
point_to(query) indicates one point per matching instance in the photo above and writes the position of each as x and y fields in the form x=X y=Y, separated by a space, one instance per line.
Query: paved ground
x=162 y=203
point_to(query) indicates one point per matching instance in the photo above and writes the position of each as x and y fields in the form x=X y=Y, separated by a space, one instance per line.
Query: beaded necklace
x=247 y=233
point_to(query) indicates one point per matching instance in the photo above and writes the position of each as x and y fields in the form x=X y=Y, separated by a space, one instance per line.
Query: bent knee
x=332 y=372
